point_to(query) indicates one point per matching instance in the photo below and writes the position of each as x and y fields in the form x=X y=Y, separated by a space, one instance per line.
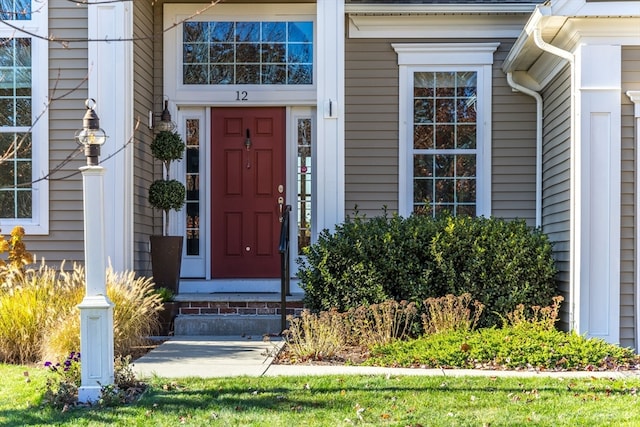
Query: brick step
x=243 y=314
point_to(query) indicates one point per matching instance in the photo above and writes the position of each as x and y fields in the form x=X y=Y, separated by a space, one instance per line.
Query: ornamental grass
x=39 y=318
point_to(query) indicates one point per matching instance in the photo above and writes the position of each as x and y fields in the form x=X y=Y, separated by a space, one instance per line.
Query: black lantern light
x=91 y=136
x=165 y=123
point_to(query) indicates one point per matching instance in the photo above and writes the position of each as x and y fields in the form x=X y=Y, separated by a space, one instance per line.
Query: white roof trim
x=436 y=26
x=437 y=8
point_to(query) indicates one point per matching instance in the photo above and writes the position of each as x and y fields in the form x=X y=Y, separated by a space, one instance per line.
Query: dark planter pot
x=166 y=258
x=168 y=313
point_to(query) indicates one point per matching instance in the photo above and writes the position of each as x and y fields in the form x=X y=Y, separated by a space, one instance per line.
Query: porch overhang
x=537 y=68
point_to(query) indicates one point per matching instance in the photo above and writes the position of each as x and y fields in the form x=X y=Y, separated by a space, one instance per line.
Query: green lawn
x=340 y=401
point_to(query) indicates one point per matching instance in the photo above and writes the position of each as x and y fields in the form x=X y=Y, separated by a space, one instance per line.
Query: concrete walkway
x=224 y=356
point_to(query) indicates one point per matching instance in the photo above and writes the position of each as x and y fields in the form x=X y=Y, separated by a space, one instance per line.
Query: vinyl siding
x=143 y=99
x=371 y=126
x=68 y=91
x=556 y=178
x=513 y=147
x=628 y=265
x=371 y=134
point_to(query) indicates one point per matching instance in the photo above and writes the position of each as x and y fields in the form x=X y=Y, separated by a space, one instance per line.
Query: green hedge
x=366 y=261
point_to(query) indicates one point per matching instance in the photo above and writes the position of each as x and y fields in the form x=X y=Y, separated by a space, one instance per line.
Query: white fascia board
x=602 y=8
x=471 y=7
x=436 y=26
x=600 y=30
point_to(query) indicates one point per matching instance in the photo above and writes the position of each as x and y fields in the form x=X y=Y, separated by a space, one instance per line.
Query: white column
x=598 y=135
x=96 y=311
x=635 y=98
x=330 y=114
x=111 y=85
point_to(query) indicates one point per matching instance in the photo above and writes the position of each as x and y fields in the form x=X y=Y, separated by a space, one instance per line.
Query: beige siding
x=67 y=90
x=371 y=126
x=371 y=134
x=143 y=72
x=556 y=177
x=628 y=286
x=513 y=147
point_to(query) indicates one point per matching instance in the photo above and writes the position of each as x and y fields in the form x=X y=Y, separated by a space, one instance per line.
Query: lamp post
x=96 y=311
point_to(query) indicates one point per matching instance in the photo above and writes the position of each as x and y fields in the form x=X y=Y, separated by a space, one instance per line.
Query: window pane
x=192 y=181
x=282 y=53
x=423 y=85
x=466 y=110
x=274 y=52
x=222 y=74
x=16 y=10
x=222 y=53
x=195 y=53
x=305 y=177
x=300 y=75
x=444 y=119
x=247 y=31
x=445 y=84
x=23 y=112
x=7 y=204
x=466 y=138
x=274 y=74
x=423 y=111
x=445 y=137
x=301 y=32
x=302 y=53
x=195 y=74
x=24 y=204
x=422 y=137
x=274 y=31
x=7 y=174
x=221 y=31
x=248 y=52
x=466 y=84
x=195 y=31
x=247 y=74
x=422 y=165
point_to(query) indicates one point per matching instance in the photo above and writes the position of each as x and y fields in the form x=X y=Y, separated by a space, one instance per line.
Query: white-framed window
x=247 y=52
x=240 y=54
x=24 y=145
x=445 y=128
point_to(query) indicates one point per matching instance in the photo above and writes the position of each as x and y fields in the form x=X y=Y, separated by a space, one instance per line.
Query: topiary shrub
x=499 y=263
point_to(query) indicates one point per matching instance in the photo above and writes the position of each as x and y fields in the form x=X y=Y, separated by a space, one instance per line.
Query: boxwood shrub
x=365 y=261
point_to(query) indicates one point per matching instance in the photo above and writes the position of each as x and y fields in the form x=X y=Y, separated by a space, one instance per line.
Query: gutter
x=538 y=98
x=574 y=220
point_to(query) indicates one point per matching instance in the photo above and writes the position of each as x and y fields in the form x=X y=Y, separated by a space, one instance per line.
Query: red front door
x=248 y=189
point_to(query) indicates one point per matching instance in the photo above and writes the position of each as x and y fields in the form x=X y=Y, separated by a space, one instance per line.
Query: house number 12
x=242 y=95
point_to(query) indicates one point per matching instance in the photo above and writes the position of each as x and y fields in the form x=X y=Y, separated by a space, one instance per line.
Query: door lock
x=281 y=206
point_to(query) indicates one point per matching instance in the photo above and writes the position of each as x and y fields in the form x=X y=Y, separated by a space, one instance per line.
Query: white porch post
x=598 y=135
x=330 y=189
x=96 y=311
x=110 y=70
x=635 y=98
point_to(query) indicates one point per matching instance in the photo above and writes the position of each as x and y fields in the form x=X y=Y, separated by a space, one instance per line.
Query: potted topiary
x=167 y=194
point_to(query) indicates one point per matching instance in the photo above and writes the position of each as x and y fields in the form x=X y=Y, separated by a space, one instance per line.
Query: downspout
x=575 y=241
x=538 y=99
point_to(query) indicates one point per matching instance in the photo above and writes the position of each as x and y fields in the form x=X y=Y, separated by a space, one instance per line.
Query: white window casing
x=418 y=57
x=38 y=224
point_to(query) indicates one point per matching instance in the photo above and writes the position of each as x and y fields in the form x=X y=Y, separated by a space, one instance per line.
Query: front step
x=242 y=314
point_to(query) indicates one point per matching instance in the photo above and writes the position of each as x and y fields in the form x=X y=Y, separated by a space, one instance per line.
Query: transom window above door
x=247 y=53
